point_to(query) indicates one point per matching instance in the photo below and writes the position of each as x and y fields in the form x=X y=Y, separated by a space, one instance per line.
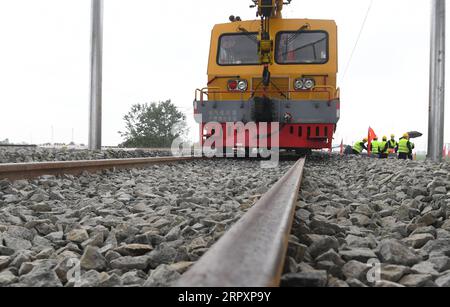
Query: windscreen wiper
x=249 y=35
x=303 y=47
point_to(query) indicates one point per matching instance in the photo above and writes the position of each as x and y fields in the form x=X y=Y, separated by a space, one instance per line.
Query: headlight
x=237 y=85
x=298 y=84
x=309 y=84
x=242 y=85
x=304 y=84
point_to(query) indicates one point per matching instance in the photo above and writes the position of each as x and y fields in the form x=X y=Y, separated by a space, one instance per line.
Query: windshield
x=302 y=47
x=238 y=49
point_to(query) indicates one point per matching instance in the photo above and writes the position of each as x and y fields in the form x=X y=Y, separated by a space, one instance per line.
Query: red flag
x=372 y=135
x=342 y=147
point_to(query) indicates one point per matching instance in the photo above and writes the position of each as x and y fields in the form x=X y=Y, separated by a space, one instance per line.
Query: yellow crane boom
x=270 y=8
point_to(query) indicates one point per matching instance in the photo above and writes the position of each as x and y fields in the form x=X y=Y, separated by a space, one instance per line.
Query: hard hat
x=385 y=138
x=406 y=136
x=393 y=136
x=365 y=140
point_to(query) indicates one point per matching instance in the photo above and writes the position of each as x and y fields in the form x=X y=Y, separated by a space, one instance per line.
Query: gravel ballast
x=359 y=222
x=364 y=222
x=23 y=155
x=125 y=228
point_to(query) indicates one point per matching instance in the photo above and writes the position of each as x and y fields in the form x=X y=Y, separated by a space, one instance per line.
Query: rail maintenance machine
x=271 y=70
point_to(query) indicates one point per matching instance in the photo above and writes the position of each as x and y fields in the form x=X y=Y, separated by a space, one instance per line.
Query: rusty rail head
x=252 y=252
x=16 y=171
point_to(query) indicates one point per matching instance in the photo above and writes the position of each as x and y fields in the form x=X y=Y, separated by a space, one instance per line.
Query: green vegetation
x=153 y=125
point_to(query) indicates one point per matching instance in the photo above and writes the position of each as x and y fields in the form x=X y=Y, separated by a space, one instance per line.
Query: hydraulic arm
x=267 y=9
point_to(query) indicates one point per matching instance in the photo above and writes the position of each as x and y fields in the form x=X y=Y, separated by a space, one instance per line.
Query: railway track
x=16 y=171
x=258 y=240
x=253 y=251
x=132 y=203
x=17 y=146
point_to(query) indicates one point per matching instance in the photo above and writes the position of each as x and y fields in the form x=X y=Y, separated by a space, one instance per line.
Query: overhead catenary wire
x=357 y=40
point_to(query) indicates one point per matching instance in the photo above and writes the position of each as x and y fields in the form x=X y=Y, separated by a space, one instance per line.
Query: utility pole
x=95 y=112
x=437 y=82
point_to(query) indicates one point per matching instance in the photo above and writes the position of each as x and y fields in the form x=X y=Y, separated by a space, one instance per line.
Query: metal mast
x=95 y=111
x=437 y=82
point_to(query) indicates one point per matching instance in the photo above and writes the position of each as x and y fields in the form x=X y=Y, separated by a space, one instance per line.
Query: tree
x=153 y=125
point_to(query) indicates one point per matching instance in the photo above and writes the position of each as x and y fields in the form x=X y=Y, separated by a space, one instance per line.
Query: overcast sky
x=157 y=50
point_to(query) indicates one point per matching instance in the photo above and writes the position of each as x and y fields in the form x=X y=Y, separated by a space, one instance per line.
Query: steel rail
x=16 y=171
x=252 y=253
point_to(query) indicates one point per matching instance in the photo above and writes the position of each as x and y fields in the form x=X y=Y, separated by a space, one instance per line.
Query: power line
x=357 y=40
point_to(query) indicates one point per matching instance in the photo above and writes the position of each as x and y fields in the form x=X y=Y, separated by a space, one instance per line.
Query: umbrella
x=415 y=134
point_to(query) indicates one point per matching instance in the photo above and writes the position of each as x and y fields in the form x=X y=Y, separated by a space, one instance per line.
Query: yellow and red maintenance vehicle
x=272 y=70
